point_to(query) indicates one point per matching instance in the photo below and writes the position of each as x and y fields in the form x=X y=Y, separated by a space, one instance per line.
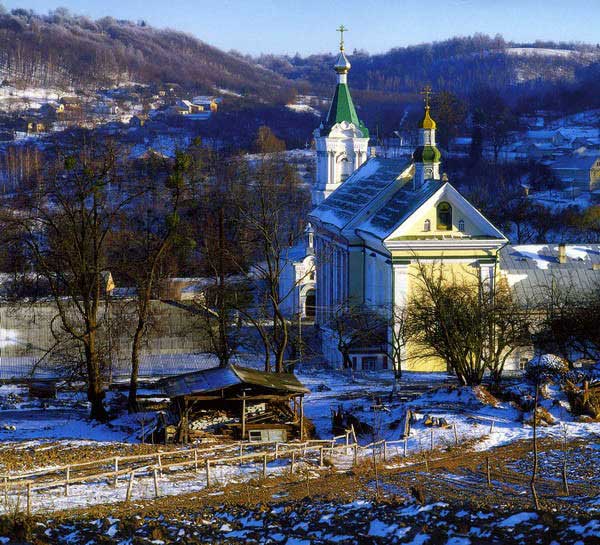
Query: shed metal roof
x=220 y=378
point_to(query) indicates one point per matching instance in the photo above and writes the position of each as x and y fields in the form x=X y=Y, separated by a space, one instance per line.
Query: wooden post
x=321 y=457
x=426 y=465
x=130 y=485
x=564 y=478
x=293 y=462
x=207 y=473
x=487 y=470
x=116 y=470
x=155 y=475
x=455 y=435
x=301 y=418
x=196 y=460
x=353 y=433
x=276 y=451
x=405 y=446
x=67 y=481
x=264 y=470
x=347 y=441
x=241 y=453
x=160 y=464
x=355 y=457
x=385 y=451
x=243 y=415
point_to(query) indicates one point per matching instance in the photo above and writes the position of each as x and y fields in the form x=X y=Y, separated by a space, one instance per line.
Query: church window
x=444 y=217
x=461 y=226
x=427 y=226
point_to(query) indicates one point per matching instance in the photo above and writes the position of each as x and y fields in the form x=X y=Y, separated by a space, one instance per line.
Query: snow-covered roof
x=530 y=267
x=399 y=207
x=362 y=187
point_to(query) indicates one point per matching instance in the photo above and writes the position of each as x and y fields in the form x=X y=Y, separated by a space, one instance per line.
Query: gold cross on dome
x=427 y=92
x=341 y=30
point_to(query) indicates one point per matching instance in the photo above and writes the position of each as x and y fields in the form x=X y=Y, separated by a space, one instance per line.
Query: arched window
x=427 y=226
x=444 y=217
x=461 y=226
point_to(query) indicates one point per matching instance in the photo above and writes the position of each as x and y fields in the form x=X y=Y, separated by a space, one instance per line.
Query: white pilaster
x=400 y=298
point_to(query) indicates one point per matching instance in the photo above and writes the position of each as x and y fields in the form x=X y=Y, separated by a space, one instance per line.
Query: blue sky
x=308 y=26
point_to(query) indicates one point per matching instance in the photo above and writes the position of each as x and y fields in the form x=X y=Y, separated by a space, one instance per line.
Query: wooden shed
x=237 y=402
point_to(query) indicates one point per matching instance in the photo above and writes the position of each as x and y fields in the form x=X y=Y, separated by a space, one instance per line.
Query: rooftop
x=359 y=189
x=530 y=267
x=220 y=378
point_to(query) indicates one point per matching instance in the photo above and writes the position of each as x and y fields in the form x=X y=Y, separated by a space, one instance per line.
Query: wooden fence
x=110 y=470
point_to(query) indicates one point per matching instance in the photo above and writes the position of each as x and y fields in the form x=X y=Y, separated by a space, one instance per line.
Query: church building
x=378 y=221
x=389 y=217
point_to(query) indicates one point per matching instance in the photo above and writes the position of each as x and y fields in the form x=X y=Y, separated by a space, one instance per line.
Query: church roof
x=428 y=122
x=400 y=206
x=342 y=109
x=360 y=189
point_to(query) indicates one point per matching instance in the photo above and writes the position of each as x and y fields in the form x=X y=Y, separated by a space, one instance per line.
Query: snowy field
x=472 y=424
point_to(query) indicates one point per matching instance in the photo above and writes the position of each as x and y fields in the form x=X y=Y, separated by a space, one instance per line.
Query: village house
x=579 y=172
x=207 y=103
x=70 y=103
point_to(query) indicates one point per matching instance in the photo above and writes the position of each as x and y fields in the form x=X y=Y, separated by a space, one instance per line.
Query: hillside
x=63 y=51
x=459 y=65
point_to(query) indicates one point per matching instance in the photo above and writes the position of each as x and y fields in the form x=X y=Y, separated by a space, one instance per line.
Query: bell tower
x=341 y=139
x=427 y=156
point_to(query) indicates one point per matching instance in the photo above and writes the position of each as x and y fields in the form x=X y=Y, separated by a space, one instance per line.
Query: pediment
x=445 y=215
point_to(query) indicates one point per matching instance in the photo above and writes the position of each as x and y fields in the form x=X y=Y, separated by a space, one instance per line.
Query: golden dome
x=428 y=122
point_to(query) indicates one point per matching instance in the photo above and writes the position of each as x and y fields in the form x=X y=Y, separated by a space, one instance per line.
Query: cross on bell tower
x=427 y=92
x=341 y=30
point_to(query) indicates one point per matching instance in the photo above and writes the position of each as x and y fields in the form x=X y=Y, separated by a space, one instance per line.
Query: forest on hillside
x=459 y=65
x=64 y=50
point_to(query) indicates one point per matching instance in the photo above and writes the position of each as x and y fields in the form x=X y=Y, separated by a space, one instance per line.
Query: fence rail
x=313 y=452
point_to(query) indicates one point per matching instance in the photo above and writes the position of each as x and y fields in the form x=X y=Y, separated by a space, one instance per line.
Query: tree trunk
x=536 y=500
x=136 y=345
x=95 y=391
x=282 y=343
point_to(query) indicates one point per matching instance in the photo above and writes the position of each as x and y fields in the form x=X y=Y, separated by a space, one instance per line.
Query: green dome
x=427 y=154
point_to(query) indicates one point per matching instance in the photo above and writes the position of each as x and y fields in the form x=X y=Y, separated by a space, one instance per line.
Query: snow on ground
x=170 y=484
x=436 y=396
x=313 y=520
x=304 y=109
x=457 y=406
x=65 y=418
x=544 y=52
x=559 y=200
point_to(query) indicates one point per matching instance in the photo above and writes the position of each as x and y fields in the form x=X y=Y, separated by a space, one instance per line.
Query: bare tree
x=507 y=325
x=540 y=370
x=398 y=338
x=66 y=231
x=143 y=245
x=446 y=321
x=273 y=220
x=470 y=324
x=357 y=327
